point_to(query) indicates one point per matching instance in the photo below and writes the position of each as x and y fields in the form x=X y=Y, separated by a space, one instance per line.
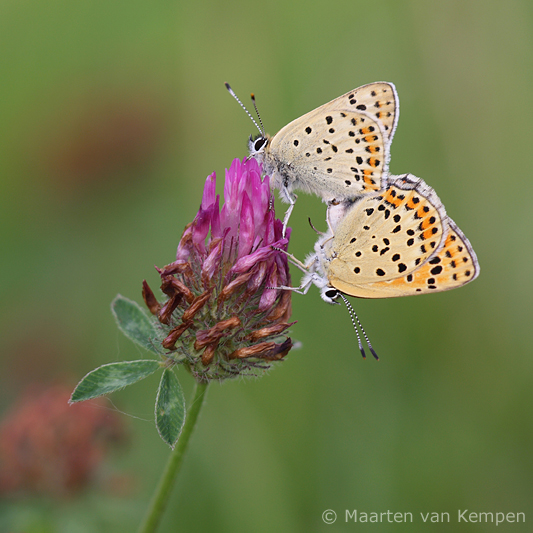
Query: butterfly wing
x=453 y=266
x=339 y=150
x=384 y=237
x=331 y=153
x=379 y=100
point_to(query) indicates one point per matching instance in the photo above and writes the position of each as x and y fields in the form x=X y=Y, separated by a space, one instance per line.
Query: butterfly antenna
x=230 y=90
x=352 y=315
x=258 y=115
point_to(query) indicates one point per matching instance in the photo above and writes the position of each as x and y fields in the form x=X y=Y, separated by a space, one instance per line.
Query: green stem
x=162 y=493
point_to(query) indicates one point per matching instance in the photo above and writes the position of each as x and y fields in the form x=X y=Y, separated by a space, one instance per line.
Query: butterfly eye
x=332 y=293
x=259 y=143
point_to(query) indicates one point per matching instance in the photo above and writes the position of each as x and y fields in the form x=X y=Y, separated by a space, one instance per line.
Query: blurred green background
x=112 y=115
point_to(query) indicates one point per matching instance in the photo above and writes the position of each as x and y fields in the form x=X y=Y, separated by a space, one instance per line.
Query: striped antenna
x=230 y=90
x=258 y=115
x=355 y=318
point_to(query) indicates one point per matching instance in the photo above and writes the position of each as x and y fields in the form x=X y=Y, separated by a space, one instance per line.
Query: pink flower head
x=221 y=290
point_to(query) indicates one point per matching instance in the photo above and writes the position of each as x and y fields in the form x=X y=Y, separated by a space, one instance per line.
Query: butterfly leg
x=302 y=289
x=292 y=200
x=313 y=227
x=296 y=262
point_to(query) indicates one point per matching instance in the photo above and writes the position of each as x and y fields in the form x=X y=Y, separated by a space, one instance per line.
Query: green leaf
x=169 y=408
x=111 y=377
x=134 y=323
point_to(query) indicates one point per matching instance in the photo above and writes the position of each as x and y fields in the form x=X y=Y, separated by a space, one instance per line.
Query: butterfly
x=396 y=242
x=340 y=150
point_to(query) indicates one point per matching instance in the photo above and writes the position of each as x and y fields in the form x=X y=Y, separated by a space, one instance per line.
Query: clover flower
x=223 y=316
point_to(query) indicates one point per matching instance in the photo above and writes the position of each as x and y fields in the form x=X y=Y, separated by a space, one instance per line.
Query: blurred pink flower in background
x=49 y=448
x=100 y=138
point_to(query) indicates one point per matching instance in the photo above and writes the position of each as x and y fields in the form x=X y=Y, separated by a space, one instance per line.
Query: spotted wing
x=384 y=237
x=332 y=153
x=455 y=265
x=379 y=100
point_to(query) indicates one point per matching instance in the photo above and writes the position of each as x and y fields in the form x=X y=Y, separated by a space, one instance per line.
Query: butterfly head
x=257 y=146
x=329 y=294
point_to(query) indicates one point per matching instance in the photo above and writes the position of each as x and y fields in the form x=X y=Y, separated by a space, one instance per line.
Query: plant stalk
x=172 y=468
